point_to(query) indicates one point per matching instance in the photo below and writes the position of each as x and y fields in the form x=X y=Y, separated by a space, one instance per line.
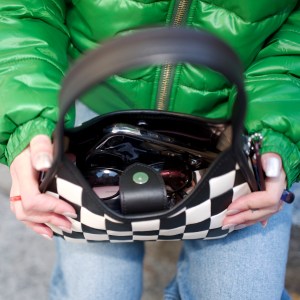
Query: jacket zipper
x=167 y=71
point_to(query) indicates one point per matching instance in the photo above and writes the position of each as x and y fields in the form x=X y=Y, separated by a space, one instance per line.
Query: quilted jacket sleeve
x=33 y=59
x=273 y=87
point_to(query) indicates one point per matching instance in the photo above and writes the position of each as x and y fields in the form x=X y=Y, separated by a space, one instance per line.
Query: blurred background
x=26 y=259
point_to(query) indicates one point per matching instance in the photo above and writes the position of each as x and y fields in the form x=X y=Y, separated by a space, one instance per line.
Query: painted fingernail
x=47 y=237
x=272 y=167
x=232 y=212
x=228 y=226
x=70 y=215
x=241 y=226
x=264 y=223
x=42 y=161
x=65 y=229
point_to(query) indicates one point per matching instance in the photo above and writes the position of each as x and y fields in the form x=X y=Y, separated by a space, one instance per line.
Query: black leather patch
x=142 y=190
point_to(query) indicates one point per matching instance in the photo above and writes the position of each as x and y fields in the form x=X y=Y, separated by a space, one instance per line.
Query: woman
x=36 y=39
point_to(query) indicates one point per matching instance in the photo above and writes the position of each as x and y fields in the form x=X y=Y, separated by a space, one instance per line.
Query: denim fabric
x=97 y=271
x=248 y=264
x=83 y=113
x=296 y=214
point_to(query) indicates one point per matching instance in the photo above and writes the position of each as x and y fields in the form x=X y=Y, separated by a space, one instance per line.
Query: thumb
x=41 y=152
x=272 y=164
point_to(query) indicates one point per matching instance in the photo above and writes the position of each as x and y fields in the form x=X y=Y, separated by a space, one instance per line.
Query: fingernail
x=232 y=212
x=241 y=226
x=264 y=223
x=70 y=215
x=272 y=167
x=46 y=237
x=42 y=161
x=65 y=229
x=228 y=226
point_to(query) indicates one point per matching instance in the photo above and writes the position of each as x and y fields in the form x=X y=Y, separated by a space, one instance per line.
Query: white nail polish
x=272 y=167
x=42 y=161
x=232 y=212
x=241 y=226
x=65 y=229
x=228 y=226
x=70 y=215
x=46 y=237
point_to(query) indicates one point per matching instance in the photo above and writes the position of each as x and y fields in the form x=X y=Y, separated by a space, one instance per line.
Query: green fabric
x=24 y=133
x=37 y=37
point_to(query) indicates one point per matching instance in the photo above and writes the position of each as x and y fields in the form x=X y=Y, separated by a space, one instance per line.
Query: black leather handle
x=151 y=46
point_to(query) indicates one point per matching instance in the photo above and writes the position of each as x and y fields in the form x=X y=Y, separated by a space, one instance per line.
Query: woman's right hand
x=36 y=209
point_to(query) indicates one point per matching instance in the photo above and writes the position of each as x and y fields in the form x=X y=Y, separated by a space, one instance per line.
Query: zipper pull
x=254 y=144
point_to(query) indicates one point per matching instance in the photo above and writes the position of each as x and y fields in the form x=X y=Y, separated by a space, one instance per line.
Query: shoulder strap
x=151 y=46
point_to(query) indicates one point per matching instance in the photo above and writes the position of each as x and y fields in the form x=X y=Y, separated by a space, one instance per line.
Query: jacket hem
x=22 y=136
x=278 y=143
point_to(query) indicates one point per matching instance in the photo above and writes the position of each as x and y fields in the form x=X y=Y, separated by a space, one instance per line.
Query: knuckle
x=53 y=206
x=28 y=206
x=242 y=219
x=272 y=202
x=52 y=221
x=58 y=206
x=273 y=210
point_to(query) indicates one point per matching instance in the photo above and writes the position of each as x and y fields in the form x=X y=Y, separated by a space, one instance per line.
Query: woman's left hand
x=259 y=206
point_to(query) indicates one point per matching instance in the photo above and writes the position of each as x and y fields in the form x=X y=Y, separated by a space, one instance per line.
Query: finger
x=32 y=199
x=18 y=172
x=40 y=229
x=264 y=203
x=12 y=207
x=45 y=203
x=247 y=222
x=272 y=164
x=15 y=187
x=250 y=216
x=275 y=182
x=262 y=199
x=41 y=152
x=42 y=218
x=264 y=223
x=36 y=209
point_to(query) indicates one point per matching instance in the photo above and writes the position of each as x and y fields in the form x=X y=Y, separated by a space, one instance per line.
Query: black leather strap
x=152 y=46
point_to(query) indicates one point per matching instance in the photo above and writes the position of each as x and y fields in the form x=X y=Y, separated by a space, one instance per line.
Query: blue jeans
x=248 y=264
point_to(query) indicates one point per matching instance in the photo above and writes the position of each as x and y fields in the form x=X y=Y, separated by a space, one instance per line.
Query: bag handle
x=151 y=46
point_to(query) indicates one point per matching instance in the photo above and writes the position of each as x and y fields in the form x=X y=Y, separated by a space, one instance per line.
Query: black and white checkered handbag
x=200 y=214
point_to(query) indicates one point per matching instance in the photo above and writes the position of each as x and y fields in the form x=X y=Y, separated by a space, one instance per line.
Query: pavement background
x=26 y=259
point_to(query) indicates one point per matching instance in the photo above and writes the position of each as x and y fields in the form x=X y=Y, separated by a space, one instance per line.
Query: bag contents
x=123 y=145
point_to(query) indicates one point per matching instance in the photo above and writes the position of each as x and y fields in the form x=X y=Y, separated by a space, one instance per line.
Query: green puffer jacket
x=37 y=37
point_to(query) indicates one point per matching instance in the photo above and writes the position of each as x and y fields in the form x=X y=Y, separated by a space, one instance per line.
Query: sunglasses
x=105 y=180
x=123 y=151
x=103 y=164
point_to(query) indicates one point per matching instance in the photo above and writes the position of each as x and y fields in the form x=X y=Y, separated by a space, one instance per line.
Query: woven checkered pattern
x=199 y=217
